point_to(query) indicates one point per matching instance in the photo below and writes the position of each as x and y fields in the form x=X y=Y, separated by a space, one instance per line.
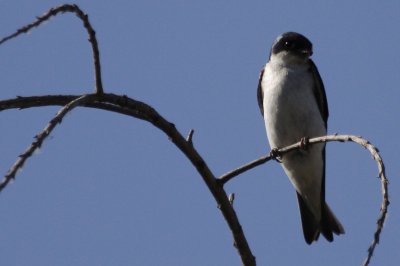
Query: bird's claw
x=276 y=155
x=304 y=142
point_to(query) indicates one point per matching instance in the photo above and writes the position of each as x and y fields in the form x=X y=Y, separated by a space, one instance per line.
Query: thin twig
x=190 y=136
x=40 y=138
x=231 y=174
x=92 y=35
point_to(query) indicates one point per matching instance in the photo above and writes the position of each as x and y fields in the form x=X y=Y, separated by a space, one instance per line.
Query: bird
x=291 y=97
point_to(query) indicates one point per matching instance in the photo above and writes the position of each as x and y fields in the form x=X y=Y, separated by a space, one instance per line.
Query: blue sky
x=112 y=190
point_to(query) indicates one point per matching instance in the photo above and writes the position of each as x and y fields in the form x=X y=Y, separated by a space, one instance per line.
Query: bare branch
x=375 y=155
x=40 y=138
x=61 y=100
x=127 y=106
x=92 y=35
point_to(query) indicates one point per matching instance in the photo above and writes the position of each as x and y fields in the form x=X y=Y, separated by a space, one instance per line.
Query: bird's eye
x=289 y=44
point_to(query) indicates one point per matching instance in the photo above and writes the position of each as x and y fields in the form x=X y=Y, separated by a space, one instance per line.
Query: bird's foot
x=304 y=142
x=276 y=155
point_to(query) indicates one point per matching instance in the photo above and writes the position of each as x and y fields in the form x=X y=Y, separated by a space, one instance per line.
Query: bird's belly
x=291 y=113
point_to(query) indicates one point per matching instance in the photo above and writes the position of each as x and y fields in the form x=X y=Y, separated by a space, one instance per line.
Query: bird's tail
x=312 y=228
x=330 y=224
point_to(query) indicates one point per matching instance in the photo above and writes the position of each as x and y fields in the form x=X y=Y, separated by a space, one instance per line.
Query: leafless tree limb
x=342 y=138
x=92 y=35
x=125 y=105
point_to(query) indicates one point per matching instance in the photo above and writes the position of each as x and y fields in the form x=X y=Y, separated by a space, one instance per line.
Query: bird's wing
x=260 y=94
x=319 y=93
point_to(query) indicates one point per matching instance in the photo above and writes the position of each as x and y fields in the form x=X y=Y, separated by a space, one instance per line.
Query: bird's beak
x=307 y=52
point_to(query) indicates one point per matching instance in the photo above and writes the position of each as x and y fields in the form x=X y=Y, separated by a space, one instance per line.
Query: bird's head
x=292 y=48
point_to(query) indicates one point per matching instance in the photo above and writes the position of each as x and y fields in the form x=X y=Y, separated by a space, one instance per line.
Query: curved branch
x=137 y=109
x=92 y=35
x=342 y=138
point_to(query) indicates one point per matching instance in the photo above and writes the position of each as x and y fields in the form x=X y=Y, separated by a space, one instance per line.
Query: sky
x=108 y=189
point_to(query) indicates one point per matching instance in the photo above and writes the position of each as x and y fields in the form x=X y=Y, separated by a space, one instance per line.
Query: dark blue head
x=293 y=43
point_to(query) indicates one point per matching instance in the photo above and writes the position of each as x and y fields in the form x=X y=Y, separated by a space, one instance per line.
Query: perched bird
x=292 y=99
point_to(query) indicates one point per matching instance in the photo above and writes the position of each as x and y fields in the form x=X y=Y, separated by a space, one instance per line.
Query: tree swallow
x=292 y=99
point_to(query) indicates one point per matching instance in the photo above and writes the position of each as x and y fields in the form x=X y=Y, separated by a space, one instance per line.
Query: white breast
x=290 y=109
